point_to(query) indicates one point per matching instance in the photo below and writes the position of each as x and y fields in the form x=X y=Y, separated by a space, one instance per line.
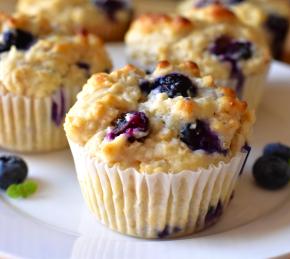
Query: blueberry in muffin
x=165 y=149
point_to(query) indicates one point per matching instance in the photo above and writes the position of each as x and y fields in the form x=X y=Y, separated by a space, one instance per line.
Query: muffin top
x=252 y=12
x=32 y=65
x=220 y=44
x=69 y=16
x=168 y=121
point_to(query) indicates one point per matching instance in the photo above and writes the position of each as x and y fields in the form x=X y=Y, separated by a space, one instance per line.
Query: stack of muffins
x=158 y=145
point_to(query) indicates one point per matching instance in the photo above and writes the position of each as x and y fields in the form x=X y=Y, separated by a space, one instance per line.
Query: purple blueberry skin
x=145 y=86
x=278 y=27
x=21 y=39
x=13 y=170
x=83 y=65
x=111 y=7
x=271 y=172
x=213 y=214
x=58 y=109
x=138 y=122
x=232 y=51
x=174 y=84
x=168 y=231
x=277 y=149
x=201 y=138
x=203 y=3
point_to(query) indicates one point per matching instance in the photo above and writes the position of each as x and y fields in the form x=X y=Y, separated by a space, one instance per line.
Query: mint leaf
x=13 y=191
x=22 y=190
x=29 y=187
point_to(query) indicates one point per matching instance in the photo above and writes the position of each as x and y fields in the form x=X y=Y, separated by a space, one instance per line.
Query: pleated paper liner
x=29 y=124
x=156 y=205
x=252 y=89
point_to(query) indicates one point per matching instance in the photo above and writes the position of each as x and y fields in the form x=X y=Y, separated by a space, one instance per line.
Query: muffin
x=223 y=47
x=157 y=155
x=269 y=16
x=108 y=19
x=39 y=80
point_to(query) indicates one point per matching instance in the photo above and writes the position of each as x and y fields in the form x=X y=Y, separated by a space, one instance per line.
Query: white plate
x=54 y=223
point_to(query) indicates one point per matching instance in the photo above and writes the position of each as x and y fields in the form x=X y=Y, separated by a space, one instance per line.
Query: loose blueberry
x=175 y=85
x=278 y=27
x=279 y=150
x=22 y=40
x=134 y=124
x=199 y=136
x=213 y=214
x=13 y=170
x=111 y=7
x=232 y=51
x=271 y=172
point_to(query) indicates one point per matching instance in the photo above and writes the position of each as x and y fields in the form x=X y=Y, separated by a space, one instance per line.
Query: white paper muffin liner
x=27 y=124
x=155 y=205
x=252 y=90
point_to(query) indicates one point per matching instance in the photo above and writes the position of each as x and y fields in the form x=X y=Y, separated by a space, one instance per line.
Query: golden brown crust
x=51 y=63
x=214 y=13
x=153 y=38
x=71 y=16
x=152 y=22
x=105 y=97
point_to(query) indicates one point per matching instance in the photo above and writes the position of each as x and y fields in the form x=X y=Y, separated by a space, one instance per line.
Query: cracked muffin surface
x=168 y=121
x=108 y=19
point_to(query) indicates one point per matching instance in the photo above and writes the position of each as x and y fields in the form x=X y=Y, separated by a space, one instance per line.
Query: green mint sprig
x=22 y=190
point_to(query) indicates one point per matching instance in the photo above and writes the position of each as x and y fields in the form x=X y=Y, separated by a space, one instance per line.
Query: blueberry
x=271 y=172
x=134 y=124
x=22 y=40
x=58 y=107
x=279 y=150
x=232 y=51
x=278 y=27
x=175 y=85
x=213 y=214
x=199 y=136
x=13 y=170
x=233 y=2
x=203 y=3
x=111 y=7
x=145 y=86
x=83 y=65
x=168 y=231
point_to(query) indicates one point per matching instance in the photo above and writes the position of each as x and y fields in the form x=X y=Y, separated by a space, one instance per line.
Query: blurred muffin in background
x=269 y=16
x=40 y=77
x=232 y=52
x=108 y=19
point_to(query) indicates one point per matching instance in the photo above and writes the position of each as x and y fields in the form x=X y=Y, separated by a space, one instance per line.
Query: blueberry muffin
x=108 y=19
x=157 y=155
x=269 y=16
x=39 y=80
x=223 y=47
